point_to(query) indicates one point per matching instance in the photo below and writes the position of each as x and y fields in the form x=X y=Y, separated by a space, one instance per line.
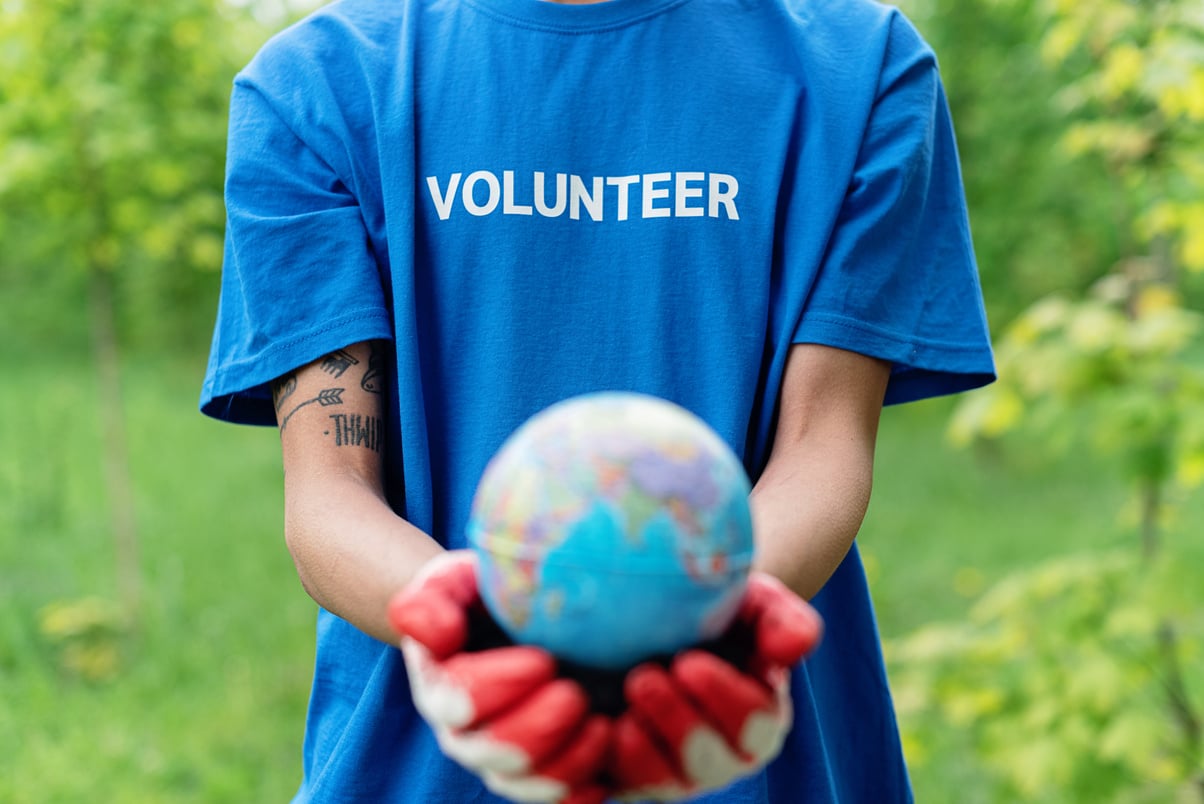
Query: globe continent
x=612 y=528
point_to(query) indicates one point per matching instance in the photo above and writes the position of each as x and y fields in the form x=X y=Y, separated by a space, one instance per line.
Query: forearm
x=352 y=552
x=810 y=500
x=807 y=508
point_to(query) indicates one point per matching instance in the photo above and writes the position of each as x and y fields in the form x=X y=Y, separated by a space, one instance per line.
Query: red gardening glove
x=705 y=721
x=502 y=712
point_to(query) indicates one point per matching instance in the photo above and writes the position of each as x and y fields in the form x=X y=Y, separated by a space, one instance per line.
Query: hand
x=502 y=712
x=705 y=721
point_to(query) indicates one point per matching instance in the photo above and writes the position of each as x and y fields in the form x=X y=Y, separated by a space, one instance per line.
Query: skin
x=810 y=500
x=351 y=550
x=353 y=553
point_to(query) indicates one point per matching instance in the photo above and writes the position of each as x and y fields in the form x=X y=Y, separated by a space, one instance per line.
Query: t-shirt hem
x=236 y=391
x=923 y=368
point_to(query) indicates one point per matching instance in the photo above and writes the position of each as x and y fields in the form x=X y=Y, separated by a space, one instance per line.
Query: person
x=446 y=216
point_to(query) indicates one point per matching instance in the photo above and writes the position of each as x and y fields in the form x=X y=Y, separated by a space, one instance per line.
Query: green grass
x=944 y=522
x=206 y=701
x=208 y=697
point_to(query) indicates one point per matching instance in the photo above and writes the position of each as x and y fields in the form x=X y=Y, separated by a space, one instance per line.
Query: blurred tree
x=1121 y=368
x=112 y=120
x=1069 y=679
x=1047 y=215
x=112 y=126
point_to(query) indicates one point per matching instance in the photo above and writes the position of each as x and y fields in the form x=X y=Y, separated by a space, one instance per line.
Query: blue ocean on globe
x=613 y=528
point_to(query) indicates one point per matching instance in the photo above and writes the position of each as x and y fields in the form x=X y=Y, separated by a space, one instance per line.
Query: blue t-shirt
x=535 y=200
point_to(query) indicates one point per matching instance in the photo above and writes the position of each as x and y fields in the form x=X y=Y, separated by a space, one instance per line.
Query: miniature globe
x=613 y=528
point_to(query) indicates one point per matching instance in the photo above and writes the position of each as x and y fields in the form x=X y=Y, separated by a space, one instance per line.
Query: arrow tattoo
x=325 y=398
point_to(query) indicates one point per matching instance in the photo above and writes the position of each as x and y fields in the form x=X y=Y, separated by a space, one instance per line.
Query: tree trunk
x=123 y=520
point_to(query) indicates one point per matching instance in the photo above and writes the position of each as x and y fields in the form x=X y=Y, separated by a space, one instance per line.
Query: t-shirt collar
x=574 y=18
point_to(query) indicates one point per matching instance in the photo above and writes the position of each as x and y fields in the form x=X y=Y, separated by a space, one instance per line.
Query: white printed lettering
x=651 y=194
x=725 y=196
x=623 y=183
x=541 y=201
x=579 y=196
x=443 y=201
x=469 y=195
x=508 y=205
x=679 y=194
x=683 y=192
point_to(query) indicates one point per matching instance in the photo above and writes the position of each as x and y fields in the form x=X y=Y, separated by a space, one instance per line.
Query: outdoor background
x=1036 y=549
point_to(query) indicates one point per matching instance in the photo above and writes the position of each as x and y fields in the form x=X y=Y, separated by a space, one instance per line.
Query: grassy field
x=945 y=522
x=203 y=699
x=206 y=700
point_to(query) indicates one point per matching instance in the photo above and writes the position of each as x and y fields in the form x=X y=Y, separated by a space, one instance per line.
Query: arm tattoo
x=374 y=378
x=325 y=398
x=283 y=388
x=338 y=362
x=354 y=430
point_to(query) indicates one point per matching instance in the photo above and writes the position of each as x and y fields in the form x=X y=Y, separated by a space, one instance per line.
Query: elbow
x=302 y=540
x=294 y=542
x=806 y=516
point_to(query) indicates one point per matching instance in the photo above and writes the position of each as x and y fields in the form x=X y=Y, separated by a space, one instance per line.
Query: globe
x=612 y=528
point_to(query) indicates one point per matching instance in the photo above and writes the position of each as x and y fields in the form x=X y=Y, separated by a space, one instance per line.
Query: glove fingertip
x=729 y=697
x=645 y=680
x=786 y=627
x=693 y=664
x=432 y=620
x=636 y=761
x=507 y=665
x=396 y=612
x=582 y=758
x=497 y=680
x=762 y=591
x=458 y=577
x=788 y=632
x=594 y=794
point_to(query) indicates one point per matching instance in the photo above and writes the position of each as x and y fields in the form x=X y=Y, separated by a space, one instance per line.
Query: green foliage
x=85 y=634
x=1058 y=680
x=1136 y=106
x=1041 y=222
x=1117 y=374
x=1081 y=136
x=1069 y=681
x=112 y=125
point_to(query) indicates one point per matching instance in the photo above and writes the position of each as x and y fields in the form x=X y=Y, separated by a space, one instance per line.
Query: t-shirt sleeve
x=299 y=277
x=899 y=280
